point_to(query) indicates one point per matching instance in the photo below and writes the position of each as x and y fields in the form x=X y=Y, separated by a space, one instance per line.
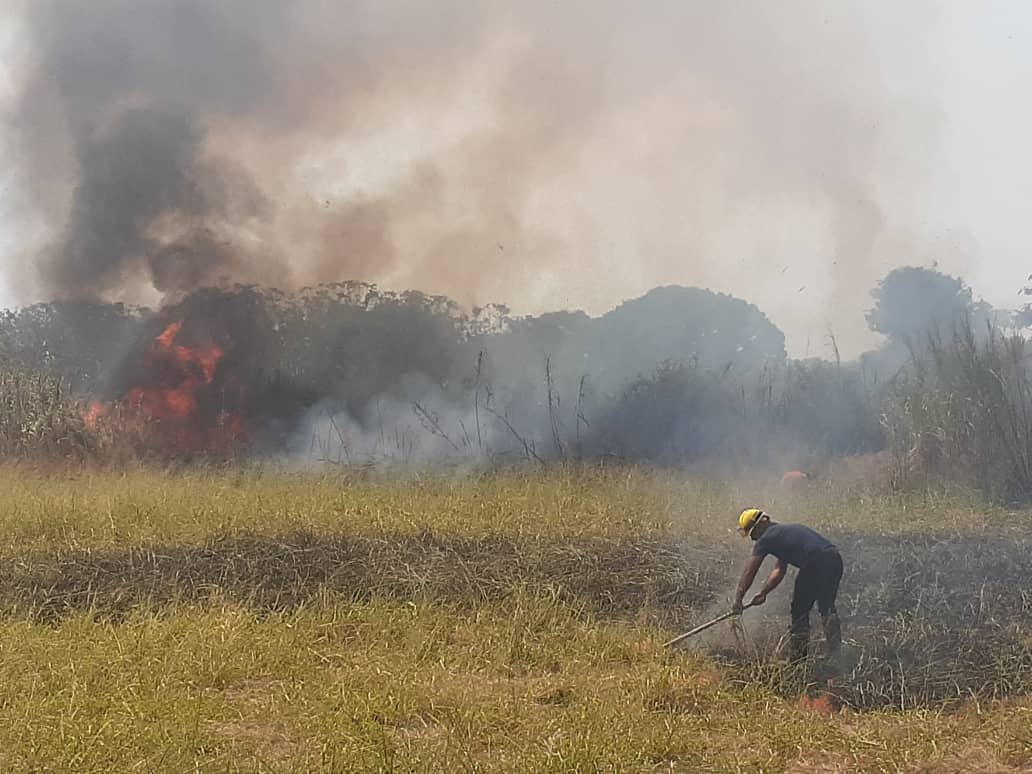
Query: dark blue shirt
x=795 y=544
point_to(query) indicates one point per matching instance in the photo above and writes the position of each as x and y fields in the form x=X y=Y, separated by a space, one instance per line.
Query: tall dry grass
x=963 y=413
x=39 y=418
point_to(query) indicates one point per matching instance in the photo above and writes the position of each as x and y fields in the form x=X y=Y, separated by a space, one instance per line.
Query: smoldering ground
x=927 y=621
x=480 y=150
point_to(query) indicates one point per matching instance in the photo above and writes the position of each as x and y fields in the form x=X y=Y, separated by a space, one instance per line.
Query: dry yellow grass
x=506 y=623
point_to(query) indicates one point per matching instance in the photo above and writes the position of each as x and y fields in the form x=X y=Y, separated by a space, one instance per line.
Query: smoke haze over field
x=542 y=155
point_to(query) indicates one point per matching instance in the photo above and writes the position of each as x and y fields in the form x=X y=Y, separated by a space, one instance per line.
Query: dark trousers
x=817 y=582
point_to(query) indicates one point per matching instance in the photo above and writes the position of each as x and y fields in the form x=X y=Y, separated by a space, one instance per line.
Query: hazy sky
x=788 y=153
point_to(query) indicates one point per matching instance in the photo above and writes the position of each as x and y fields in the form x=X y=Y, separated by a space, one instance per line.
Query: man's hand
x=748 y=575
x=759 y=599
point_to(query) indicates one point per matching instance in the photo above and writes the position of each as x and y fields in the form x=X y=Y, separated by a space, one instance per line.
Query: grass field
x=249 y=621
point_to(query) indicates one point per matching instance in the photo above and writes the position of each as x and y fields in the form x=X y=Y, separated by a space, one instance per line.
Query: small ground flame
x=823 y=704
x=96 y=412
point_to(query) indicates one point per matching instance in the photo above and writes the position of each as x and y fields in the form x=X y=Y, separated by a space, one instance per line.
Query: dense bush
x=678 y=376
x=797 y=411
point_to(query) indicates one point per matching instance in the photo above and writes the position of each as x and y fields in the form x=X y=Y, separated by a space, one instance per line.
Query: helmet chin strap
x=756 y=522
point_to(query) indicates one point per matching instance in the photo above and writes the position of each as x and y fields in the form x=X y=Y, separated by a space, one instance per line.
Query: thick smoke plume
x=484 y=150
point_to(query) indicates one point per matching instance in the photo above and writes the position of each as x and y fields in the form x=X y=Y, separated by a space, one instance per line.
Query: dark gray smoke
x=144 y=174
x=138 y=98
x=487 y=150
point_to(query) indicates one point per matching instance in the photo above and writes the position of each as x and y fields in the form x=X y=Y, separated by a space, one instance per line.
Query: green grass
x=499 y=623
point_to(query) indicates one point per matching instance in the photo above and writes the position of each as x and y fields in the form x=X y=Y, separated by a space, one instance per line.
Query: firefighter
x=820 y=570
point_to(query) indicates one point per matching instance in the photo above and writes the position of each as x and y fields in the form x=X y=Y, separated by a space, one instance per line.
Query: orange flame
x=94 y=414
x=824 y=704
x=196 y=369
x=175 y=405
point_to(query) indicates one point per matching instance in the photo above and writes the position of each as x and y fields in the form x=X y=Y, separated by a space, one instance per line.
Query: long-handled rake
x=704 y=627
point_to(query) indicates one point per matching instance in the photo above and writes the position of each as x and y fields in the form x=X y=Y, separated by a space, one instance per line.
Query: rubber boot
x=833 y=633
x=798 y=639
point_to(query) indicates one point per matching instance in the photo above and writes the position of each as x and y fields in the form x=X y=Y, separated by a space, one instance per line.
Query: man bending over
x=820 y=570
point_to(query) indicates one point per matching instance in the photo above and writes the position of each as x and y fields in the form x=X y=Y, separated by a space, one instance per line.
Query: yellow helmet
x=748 y=520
